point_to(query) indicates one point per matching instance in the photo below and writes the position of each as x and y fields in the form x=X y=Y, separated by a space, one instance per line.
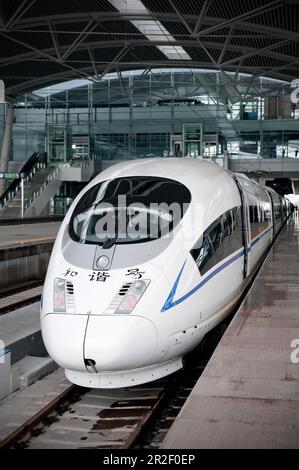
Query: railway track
x=80 y=418
x=19 y=296
x=135 y=417
x=27 y=429
x=182 y=385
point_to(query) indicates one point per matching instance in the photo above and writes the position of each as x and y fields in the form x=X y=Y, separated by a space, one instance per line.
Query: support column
x=6 y=145
x=131 y=146
x=225 y=160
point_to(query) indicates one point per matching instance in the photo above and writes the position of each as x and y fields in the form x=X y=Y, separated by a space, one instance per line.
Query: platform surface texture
x=18 y=235
x=248 y=395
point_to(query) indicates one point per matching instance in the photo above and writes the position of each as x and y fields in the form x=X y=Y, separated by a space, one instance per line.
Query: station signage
x=11 y=176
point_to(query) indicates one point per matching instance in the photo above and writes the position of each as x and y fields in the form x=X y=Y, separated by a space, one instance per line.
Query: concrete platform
x=16 y=409
x=30 y=369
x=16 y=235
x=248 y=395
x=20 y=324
x=23 y=357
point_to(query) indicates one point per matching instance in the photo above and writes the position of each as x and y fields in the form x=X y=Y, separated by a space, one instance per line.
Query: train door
x=276 y=212
x=259 y=222
x=245 y=227
x=273 y=216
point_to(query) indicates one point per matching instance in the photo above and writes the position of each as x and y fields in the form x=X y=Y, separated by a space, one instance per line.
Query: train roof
x=213 y=189
x=184 y=170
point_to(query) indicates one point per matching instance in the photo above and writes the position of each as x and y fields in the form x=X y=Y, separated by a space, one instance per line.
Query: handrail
x=28 y=169
x=41 y=189
x=79 y=163
x=50 y=179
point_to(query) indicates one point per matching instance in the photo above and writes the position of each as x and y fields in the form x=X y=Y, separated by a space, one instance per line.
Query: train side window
x=234 y=218
x=203 y=254
x=277 y=211
x=220 y=239
x=227 y=222
x=216 y=235
x=277 y=206
x=260 y=216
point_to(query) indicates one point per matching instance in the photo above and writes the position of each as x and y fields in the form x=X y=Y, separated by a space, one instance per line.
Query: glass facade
x=2 y=122
x=142 y=114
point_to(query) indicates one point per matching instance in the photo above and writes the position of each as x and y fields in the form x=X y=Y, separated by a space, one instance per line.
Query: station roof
x=49 y=41
x=159 y=85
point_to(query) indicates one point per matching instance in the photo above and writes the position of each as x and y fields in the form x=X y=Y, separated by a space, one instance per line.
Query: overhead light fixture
x=152 y=29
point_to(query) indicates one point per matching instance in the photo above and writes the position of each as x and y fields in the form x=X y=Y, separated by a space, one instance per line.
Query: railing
x=78 y=163
x=50 y=178
x=79 y=170
x=35 y=162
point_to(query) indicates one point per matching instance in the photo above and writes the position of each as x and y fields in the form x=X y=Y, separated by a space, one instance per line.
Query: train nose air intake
x=90 y=365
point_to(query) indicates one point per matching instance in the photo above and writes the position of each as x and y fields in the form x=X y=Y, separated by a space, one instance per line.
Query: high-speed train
x=151 y=255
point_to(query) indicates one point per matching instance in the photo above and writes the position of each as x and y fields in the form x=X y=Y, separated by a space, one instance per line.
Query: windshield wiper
x=109 y=243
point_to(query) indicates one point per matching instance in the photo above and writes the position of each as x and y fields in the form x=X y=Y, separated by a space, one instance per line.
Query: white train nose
x=111 y=342
x=116 y=342
x=63 y=336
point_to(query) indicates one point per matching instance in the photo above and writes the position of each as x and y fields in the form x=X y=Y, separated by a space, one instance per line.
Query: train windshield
x=129 y=210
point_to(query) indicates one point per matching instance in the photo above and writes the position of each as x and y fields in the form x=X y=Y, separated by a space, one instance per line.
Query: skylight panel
x=152 y=29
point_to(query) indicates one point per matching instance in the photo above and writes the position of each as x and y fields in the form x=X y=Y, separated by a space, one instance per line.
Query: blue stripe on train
x=169 y=301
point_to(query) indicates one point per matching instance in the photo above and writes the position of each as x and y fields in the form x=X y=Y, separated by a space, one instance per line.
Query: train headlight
x=59 y=304
x=138 y=287
x=133 y=296
x=102 y=262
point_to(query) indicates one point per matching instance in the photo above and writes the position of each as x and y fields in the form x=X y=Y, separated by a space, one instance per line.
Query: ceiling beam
x=202 y=14
x=111 y=16
x=44 y=54
x=161 y=16
x=5 y=61
x=2 y=17
x=67 y=75
x=276 y=69
x=167 y=63
x=140 y=77
x=55 y=40
x=91 y=25
x=254 y=53
x=92 y=60
x=182 y=19
x=19 y=13
x=115 y=61
x=244 y=16
x=225 y=44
